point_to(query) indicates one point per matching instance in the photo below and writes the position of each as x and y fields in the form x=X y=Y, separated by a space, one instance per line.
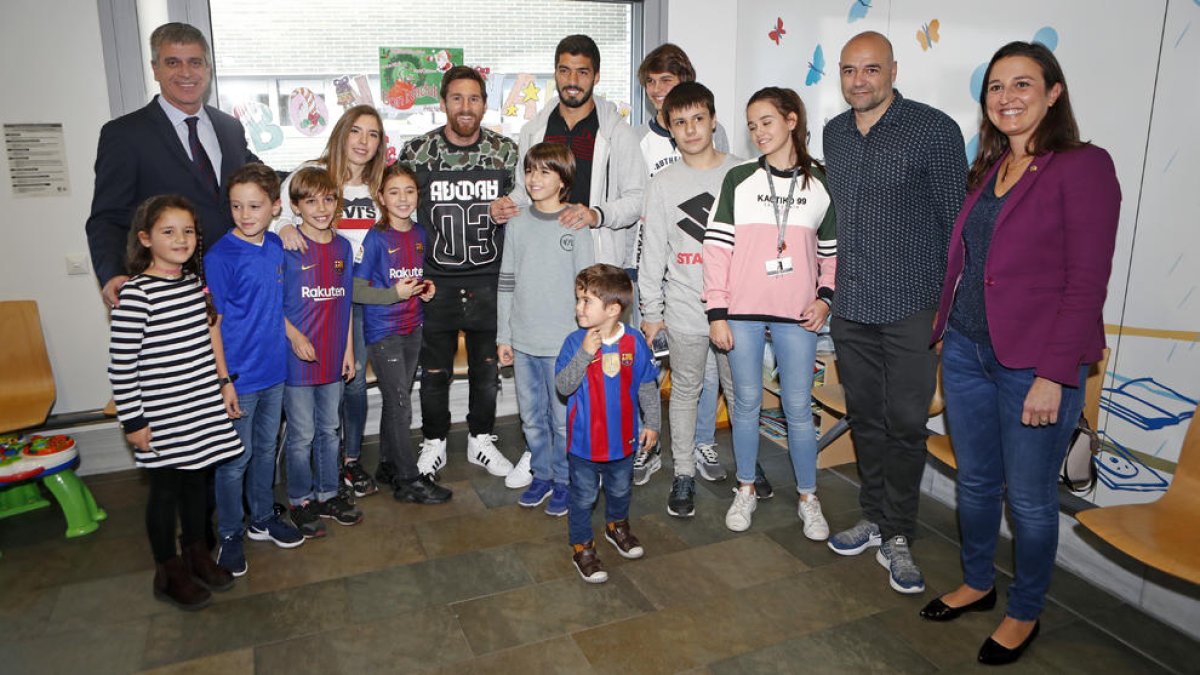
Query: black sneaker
x=386 y=476
x=307 y=518
x=682 y=502
x=762 y=486
x=341 y=511
x=354 y=476
x=422 y=490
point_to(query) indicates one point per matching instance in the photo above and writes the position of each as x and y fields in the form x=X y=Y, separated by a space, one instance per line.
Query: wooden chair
x=1161 y=534
x=26 y=395
x=832 y=397
x=939 y=445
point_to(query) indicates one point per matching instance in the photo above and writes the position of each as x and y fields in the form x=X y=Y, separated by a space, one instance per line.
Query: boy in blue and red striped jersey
x=316 y=307
x=607 y=371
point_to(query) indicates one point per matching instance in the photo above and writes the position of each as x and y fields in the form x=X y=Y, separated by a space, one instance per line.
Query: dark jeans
x=999 y=458
x=889 y=373
x=394 y=359
x=176 y=493
x=473 y=311
x=354 y=395
x=585 y=489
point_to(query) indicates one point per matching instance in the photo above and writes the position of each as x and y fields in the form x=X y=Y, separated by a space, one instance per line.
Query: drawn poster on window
x=411 y=76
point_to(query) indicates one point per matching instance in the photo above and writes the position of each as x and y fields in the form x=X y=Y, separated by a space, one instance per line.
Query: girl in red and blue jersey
x=390 y=285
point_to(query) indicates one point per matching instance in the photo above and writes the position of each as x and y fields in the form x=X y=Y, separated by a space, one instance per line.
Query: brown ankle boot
x=206 y=570
x=174 y=585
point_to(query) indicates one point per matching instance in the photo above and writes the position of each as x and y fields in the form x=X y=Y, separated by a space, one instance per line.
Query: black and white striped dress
x=163 y=374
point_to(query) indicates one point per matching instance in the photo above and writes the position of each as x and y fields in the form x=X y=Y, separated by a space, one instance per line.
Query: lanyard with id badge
x=782 y=264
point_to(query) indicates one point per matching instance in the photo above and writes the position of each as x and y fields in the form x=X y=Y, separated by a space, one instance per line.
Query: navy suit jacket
x=140 y=156
x=1047 y=268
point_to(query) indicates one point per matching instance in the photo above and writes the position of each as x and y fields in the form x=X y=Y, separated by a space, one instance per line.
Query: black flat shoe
x=937 y=610
x=993 y=653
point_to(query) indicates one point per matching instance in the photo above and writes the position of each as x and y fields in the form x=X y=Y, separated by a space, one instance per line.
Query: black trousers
x=889 y=374
x=176 y=493
x=471 y=310
x=394 y=360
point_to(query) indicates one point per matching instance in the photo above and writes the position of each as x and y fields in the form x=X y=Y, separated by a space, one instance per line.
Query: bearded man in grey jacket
x=610 y=174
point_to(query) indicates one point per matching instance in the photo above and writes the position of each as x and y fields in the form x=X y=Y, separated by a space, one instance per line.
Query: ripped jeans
x=472 y=310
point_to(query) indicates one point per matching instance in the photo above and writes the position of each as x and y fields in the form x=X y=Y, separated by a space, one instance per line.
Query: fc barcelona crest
x=627 y=360
x=339 y=266
x=611 y=364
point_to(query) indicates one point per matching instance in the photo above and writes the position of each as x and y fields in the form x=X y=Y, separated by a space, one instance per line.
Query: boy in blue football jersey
x=607 y=371
x=244 y=272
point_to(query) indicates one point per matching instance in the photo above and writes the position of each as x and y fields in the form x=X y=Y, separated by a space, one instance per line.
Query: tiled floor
x=481 y=585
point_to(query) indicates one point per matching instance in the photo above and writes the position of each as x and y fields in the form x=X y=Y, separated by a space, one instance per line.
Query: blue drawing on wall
x=1120 y=469
x=972 y=148
x=858 y=10
x=1047 y=36
x=1147 y=404
x=976 y=83
x=816 y=67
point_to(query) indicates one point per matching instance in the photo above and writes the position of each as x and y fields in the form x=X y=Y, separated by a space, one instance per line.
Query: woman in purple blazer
x=1021 y=319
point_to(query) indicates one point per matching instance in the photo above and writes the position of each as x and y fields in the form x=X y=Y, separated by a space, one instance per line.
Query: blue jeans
x=312 y=441
x=999 y=457
x=706 y=408
x=543 y=416
x=253 y=471
x=585 y=489
x=354 y=397
x=795 y=351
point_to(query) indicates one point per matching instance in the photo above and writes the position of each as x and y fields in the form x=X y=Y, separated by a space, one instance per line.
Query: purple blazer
x=1047 y=268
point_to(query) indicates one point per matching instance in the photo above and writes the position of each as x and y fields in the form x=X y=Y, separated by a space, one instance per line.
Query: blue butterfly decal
x=1049 y=37
x=816 y=67
x=858 y=10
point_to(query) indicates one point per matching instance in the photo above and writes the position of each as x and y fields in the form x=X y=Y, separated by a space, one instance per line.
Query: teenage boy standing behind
x=535 y=312
x=607 y=371
x=678 y=203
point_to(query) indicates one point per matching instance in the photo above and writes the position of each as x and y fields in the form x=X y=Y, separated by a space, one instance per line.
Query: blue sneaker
x=276 y=530
x=231 y=557
x=560 y=500
x=537 y=492
x=857 y=539
x=903 y=573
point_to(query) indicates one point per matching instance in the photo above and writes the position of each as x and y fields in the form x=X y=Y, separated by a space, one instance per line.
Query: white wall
x=54 y=72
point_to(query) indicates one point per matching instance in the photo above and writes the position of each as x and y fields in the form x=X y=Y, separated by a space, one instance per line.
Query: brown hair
x=334 y=157
x=557 y=158
x=1056 y=132
x=688 y=95
x=258 y=174
x=462 y=73
x=138 y=257
x=313 y=181
x=393 y=170
x=609 y=283
x=666 y=58
x=787 y=102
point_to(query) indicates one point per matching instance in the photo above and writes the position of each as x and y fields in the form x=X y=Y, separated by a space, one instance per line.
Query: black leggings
x=175 y=492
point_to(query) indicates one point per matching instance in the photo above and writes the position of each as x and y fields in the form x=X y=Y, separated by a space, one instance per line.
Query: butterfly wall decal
x=928 y=34
x=816 y=67
x=778 y=32
x=858 y=10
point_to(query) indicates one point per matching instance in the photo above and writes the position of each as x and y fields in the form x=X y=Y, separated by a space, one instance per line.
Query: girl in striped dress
x=169 y=387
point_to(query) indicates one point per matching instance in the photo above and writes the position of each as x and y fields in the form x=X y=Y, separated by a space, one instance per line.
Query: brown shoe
x=588 y=564
x=173 y=584
x=623 y=540
x=204 y=569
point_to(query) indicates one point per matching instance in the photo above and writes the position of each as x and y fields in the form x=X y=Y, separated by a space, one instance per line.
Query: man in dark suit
x=176 y=144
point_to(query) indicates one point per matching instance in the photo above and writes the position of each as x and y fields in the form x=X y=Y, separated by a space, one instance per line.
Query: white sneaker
x=740 y=512
x=481 y=451
x=815 y=527
x=433 y=456
x=520 y=476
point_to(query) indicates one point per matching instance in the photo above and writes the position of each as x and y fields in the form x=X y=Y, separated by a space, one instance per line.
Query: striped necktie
x=199 y=156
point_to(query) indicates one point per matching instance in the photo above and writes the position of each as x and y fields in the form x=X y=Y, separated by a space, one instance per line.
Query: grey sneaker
x=903 y=573
x=707 y=464
x=857 y=539
x=645 y=464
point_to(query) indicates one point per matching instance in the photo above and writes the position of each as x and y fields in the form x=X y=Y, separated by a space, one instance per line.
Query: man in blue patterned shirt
x=897 y=173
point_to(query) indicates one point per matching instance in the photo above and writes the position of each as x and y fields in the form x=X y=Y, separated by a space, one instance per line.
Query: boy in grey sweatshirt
x=670 y=277
x=535 y=312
